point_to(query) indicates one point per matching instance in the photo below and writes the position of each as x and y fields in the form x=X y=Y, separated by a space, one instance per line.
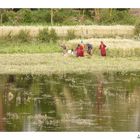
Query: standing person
x=77 y=50
x=89 y=48
x=102 y=48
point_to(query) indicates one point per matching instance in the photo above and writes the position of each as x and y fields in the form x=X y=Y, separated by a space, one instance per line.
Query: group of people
x=82 y=48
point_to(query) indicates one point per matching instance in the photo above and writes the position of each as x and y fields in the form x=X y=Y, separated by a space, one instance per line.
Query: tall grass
x=115 y=47
x=137 y=30
x=70 y=35
x=43 y=35
x=22 y=36
x=80 y=31
x=53 y=36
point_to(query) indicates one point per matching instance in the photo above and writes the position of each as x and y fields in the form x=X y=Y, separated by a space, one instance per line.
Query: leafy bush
x=88 y=22
x=43 y=35
x=70 y=34
x=22 y=36
x=25 y=15
x=47 y=36
x=70 y=21
x=41 y=16
x=117 y=17
x=137 y=29
x=66 y=16
x=53 y=36
x=8 y=16
x=8 y=37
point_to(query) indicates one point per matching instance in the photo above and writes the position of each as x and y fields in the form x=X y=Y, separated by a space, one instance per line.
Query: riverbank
x=56 y=63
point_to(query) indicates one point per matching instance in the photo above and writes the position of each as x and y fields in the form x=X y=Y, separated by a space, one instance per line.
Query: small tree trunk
x=110 y=12
x=83 y=12
x=1 y=18
x=52 y=14
x=97 y=14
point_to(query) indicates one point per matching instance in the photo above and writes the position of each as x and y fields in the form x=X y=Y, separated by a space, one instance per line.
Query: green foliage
x=72 y=19
x=123 y=17
x=53 y=36
x=8 y=17
x=59 y=16
x=41 y=16
x=22 y=36
x=47 y=36
x=137 y=29
x=25 y=15
x=66 y=16
x=70 y=35
x=28 y=47
x=7 y=37
x=117 y=17
x=43 y=35
x=88 y=22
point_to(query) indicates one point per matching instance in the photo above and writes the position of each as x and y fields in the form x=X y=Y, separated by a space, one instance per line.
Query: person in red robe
x=79 y=51
x=102 y=48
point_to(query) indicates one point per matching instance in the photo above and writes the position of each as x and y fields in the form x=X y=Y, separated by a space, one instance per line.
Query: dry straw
x=80 y=31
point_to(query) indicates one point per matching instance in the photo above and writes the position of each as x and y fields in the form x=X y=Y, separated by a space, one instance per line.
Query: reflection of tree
x=100 y=98
x=99 y=102
x=7 y=97
x=46 y=90
x=2 y=126
x=124 y=100
x=75 y=101
x=17 y=88
x=22 y=84
x=134 y=101
x=7 y=91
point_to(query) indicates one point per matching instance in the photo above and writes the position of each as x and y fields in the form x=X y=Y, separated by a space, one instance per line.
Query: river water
x=72 y=102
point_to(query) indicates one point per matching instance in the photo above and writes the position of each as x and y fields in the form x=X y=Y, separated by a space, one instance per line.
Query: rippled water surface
x=72 y=102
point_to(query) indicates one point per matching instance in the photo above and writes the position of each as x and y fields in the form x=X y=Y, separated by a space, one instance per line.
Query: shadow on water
x=72 y=102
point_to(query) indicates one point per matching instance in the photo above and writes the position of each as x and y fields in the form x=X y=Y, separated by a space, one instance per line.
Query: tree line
x=66 y=16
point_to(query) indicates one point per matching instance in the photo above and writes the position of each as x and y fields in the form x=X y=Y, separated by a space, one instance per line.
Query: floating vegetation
x=42 y=121
x=10 y=96
x=12 y=116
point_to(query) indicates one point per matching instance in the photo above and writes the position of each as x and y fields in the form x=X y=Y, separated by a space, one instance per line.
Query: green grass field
x=56 y=63
x=31 y=47
x=36 y=57
x=115 y=47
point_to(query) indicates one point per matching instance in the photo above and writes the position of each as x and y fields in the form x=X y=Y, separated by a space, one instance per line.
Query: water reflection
x=100 y=97
x=2 y=126
x=90 y=102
